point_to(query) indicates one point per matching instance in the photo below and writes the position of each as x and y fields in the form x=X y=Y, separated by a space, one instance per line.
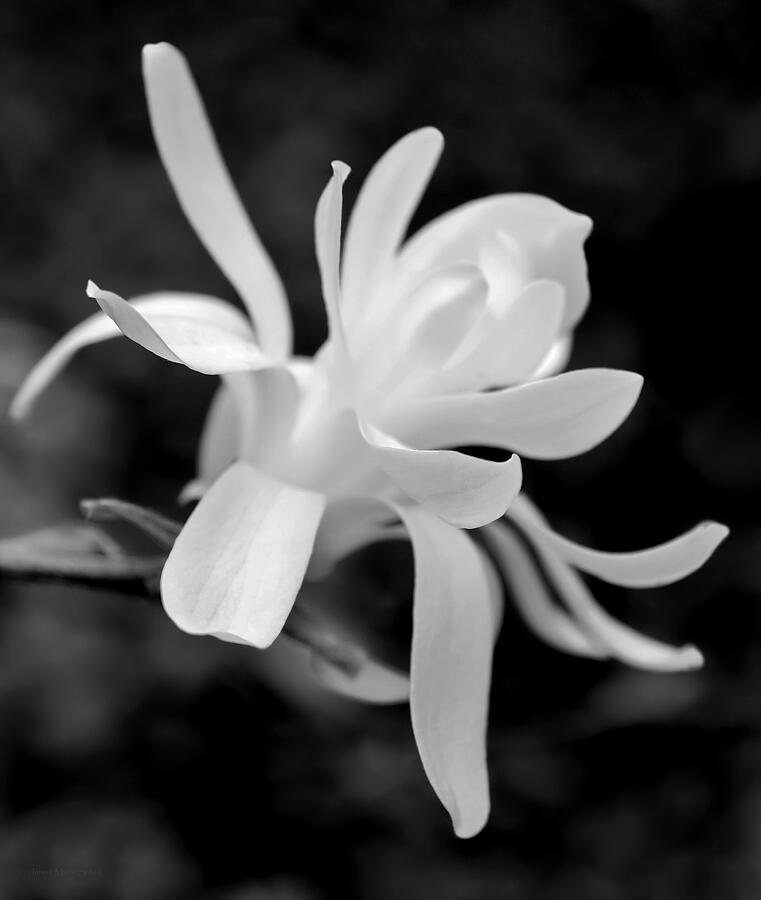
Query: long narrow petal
x=379 y=220
x=220 y=438
x=542 y=615
x=240 y=559
x=206 y=194
x=199 y=342
x=660 y=565
x=550 y=419
x=452 y=637
x=327 y=232
x=623 y=642
x=463 y=490
x=550 y=236
x=99 y=327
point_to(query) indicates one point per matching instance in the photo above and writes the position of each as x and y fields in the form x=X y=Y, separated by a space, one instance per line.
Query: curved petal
x=542 y=615
x=374 y=683
x=550 y=236
x=220 y=438
x=452 y=637
x=202 y=343
x=327 y=232
x=239 y=561
x=463 y=490
x=206 y=194
x=550 y=419
x=660 y=565
x=513 y=345
x=556 y=360
x=99 y=327
x=379 y=220
x=623 y=642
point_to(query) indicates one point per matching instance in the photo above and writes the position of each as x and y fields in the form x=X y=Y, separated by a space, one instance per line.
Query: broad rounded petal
x=206 y=194
x=239 y=561
x=374 y=683
x=99 y=327
x=348 y=525
x=542 y=615
x=463 y=490
x=623 y=642
x=327 y=231
x=379 y=220
x=550 y=236
x=450 y=674
x=550 y=419
x=660 y=565
x=513 y=346
x=202 y=343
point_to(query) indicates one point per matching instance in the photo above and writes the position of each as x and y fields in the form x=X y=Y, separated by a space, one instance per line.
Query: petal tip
x=92 y=290
x=340 y=169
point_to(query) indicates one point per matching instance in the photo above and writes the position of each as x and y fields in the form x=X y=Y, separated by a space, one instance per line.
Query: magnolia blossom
x=451 y=338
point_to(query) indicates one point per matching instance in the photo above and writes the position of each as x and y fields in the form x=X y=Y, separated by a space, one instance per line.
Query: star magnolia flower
x=448 y=339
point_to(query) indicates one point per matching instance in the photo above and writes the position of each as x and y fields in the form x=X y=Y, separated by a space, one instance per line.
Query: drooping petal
x=347 y=525
x=623 y=642
x=203 y=343
x=545 y=618
x=463 y=490
x=660 y=565
x=240 y=559
x=452 y=637
x=550 y=419
x=206 y=194
x=373 y=683
x=100 y=327
x=550 y=236
x=379 y=220
x=327 y=231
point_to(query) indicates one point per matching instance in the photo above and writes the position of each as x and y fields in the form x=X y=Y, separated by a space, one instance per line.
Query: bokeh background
x=137 y=762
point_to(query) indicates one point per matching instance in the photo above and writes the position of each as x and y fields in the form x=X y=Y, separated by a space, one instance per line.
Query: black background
x=138 y=762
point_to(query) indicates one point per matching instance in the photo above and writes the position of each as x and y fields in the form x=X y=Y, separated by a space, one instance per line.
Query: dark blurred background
x=138 y=762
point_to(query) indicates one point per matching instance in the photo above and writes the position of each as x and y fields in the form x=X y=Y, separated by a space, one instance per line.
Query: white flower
x=446 y=340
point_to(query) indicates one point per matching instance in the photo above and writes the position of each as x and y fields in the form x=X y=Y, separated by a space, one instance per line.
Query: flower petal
x=203 y=343
x=550 y=419
x=206 y=194
x=220 y=438
x=660 y=565
x=463 y=490
x=379 y=220
x=327 y=231
x=542 y=615
x=551 y=237
x=623 y=642
x=239 y=561
x=556 y=359
x=99 y=327
x=452 y=637
x=374 y=683
x=513 y=345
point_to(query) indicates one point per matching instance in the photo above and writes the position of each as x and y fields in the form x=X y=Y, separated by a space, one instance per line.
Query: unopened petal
x=463 y=490
x=549 y=622
x=452 y=637
x=550 y=419
x=201 y=342
x=660 y=565
x=550 y=236
x=240 y=559
x=206 y=194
